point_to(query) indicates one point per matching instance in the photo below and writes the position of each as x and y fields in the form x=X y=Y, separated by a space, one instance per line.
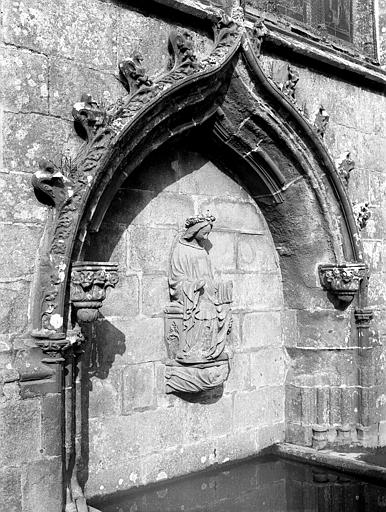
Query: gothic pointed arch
x=243 y=121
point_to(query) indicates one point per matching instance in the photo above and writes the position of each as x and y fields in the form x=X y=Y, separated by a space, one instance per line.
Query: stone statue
x=198 y=320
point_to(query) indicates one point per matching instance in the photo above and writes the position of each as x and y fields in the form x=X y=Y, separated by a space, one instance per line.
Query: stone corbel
x=89 y=282
x=88 y=116
x=342 y=281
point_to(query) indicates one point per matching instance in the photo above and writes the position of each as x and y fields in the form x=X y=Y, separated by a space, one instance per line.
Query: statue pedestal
x=195 y=378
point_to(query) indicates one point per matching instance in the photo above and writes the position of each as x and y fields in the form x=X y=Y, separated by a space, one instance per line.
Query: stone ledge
x=281 y=39
x=345 y=462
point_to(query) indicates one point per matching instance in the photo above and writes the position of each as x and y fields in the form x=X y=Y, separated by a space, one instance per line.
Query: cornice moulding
x=285 y=38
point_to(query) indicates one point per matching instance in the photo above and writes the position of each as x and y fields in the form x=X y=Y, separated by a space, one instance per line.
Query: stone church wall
x=51 y=53
x=137 y=433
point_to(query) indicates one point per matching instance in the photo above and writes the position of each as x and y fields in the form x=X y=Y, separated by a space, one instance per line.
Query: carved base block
x=194 y=379
x=319 y=437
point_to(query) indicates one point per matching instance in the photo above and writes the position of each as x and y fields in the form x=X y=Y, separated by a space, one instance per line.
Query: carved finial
x=362 y=214
x=134 y=73
x=49 y=184
x=321 y=121
x=181 y=50
x=88 y=116
x=259 y=32
x=344 y=166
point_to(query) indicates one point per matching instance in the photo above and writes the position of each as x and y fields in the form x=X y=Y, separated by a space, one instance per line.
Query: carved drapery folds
x=342 y=281
x=198 y=320
x=89 y=282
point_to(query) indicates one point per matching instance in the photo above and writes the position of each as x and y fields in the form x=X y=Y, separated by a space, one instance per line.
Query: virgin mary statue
x=200 y=358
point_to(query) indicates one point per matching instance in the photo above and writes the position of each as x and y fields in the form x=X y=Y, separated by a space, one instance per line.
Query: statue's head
x=199 y=226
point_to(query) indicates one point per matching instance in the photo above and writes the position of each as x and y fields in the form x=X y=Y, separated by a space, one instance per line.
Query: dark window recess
x=332 y=16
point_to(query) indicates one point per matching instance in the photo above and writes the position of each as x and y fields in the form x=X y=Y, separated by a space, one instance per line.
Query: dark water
x=265 y=484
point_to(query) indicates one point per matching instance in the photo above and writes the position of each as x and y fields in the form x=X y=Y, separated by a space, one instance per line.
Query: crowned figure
x=202 y=314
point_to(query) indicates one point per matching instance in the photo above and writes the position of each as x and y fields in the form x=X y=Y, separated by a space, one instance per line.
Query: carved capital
x=89 y=281
x=88 y=116
x=342 y=280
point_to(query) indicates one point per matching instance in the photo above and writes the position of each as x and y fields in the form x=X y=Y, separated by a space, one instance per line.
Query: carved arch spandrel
x=151 y=113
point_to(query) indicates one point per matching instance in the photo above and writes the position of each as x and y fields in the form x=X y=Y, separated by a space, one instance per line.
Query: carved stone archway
x=279 y=156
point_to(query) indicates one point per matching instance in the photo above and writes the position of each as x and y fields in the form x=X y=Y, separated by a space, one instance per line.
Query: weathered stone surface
x=202 y=421
x=138 y=383
x=19 y=204
x=239 y=377
x=324 y=328
x=25 y=80
x=50 y=30
x=223 y=252
x=40 y=485
x=140 y=239
x=327 y=368
x=259 y=407
x=268 y=367
x=150 y=36
x=29 y=139
x=14 y=306
x=253 y=291
x=145 y=208
x=20 y=432
x=106 y=395
x=261 y=329
x=130 y=341
x=18 y=245
x=155 y=294
x=69 y=80
x=256 y=253
x=123 y=300
x=199 y=176
x=51 y=437
x=10 y=489
x=244 y=218
x=109 y=244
